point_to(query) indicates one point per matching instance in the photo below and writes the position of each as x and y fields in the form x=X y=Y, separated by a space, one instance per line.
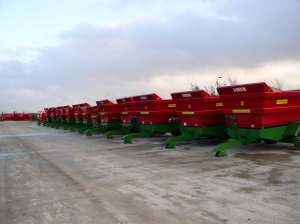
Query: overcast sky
x=55 y=53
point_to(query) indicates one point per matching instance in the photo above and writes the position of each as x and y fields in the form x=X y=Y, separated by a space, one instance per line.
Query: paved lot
x=57 y=176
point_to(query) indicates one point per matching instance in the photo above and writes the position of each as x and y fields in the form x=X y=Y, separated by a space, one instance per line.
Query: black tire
x=269 y=141
x=176 y=134
x=210 y=137
x=223 y=138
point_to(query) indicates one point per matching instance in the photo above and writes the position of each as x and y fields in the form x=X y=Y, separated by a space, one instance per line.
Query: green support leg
x=60 y=125
x=127 y=138
x=184 y=137
x=148 y=130
x=53 y=125
x=93 y=130
x=125 y=129
x=192 y=133
x=110 y=134
x=244 y=136
x=73 y=128
x=104 y=127
x=49 y=124
x=220 y=149
x=82 y=130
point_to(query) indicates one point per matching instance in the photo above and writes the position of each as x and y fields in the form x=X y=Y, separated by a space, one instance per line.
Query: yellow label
x=241 y=111
x=171 y=105
x=144 y=112
x=219 y=104
x=188 y=112
x=124 y=112
x=102 y=113
x=285 y=101
x=75 y=114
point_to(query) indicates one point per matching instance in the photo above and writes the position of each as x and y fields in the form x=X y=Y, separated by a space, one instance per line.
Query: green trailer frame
x=243 y=136
x=104 y=127
x=192 y=133
x=125 y=128
x=86 y=123
x=255 y=112
x=148 y=130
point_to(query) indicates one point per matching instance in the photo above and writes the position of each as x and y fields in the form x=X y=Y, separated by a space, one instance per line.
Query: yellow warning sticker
x=171 y=105
x=188 y=112
x=102 y=113
x=124 y=112
x=284 y=101
x=219 y=104
x=144 y=112
x=241 y=111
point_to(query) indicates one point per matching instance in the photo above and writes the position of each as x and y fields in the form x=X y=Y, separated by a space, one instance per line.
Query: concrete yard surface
x=52 y=175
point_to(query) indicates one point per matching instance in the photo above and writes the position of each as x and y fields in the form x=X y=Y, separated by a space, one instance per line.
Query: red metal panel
x=47 y=110
x=108 y=110
x=95 y=114
x=152 y=109
x=61 y=113
x=69 y=112
x=256 y=105
x=127 y=108
x=85 y=107
x=56 y=109
x=52 y=112
x=41 y=116
x=80 y=110
x=198 y=108
x=77 y=112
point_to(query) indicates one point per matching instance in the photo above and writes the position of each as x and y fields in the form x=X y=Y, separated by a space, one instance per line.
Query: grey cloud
x=94 y=61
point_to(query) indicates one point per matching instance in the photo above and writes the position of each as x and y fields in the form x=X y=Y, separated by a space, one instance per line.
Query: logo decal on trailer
x=239 y=89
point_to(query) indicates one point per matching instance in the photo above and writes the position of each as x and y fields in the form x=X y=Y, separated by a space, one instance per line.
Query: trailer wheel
x=269 y=141
x=223 y=138
x=210 y=137
x=297 y=142
x=176 y=134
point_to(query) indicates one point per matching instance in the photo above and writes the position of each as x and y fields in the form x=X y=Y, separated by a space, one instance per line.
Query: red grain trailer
x=256 y=112
x=197 y=114
x=153 y=116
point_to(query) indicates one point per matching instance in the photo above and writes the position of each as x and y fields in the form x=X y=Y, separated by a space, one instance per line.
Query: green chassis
x=192 y=133
x=244 y=136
